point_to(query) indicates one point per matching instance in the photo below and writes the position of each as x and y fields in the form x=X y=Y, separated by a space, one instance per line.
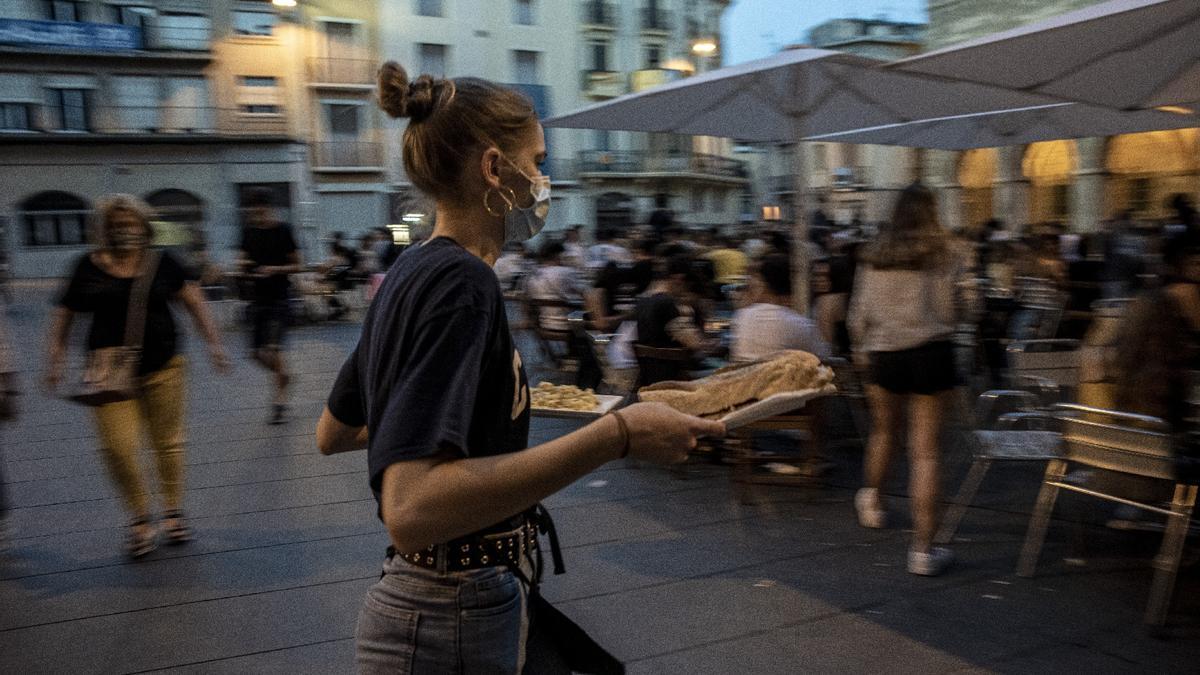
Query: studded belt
x=497 y=549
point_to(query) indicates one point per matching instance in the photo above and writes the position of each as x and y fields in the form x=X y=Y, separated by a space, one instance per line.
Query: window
x=653 y=56
x=343 y=120
x=69 y=110
x=523 y=12
x=525 y=67
x=16 y=117
x=182 y=31
x=137 y=103
x=428 y=7
x=54 y=219
x=64 y=10
x=599 y=56
x=129 y=15
x=432 y=59
x=259 y=95
x=603 y=139
x=186 y=108
x=261 y=24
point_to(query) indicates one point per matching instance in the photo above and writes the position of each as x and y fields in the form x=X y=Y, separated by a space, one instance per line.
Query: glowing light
x=1177 y=109
x=284 y=3
x=705 y=48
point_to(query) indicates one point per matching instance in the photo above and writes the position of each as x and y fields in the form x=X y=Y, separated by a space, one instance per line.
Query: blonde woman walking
x=100 y=285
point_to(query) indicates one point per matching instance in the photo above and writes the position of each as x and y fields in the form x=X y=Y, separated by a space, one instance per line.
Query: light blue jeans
x=416 y=620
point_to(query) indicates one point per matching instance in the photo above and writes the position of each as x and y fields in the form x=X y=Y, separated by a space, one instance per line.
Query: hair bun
x=415 y=100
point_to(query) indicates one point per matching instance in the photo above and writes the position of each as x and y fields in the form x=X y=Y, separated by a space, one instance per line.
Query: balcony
x=614 y=163
x=602 y=84
x=598 y=16
x=334 y=73
x=70 y=36
x=347 y=156
x=150 y=123
x=654 y=77
x=188 y=33
x=655 y=20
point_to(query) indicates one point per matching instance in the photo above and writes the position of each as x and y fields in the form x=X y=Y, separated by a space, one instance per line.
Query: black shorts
x=270 y=321
x=927 y=369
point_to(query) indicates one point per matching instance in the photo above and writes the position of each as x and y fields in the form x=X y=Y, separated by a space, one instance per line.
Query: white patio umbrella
x=1058 y=121
x=1123 y=54
x=790 y=96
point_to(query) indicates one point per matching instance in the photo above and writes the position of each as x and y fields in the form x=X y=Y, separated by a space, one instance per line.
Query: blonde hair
x=109 y=205
x=914 y=238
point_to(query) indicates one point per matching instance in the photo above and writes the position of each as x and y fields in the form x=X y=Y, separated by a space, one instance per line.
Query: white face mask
x=522 y=224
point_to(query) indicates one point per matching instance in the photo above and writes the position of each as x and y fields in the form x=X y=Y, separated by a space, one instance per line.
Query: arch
x=1050 y=167
x=55 y=218
x=177 y=206
x=977 y=176
x=1146 y=169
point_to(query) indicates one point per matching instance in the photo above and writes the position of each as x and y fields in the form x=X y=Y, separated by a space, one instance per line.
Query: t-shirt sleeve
x=346 y=401
x=431 y=404
x=74 y=298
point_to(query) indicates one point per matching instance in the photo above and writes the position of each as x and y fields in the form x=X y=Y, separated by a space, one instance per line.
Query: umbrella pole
x=800 y=261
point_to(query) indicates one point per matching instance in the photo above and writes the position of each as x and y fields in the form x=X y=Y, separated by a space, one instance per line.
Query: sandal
x=176 y=528
x=141 y=539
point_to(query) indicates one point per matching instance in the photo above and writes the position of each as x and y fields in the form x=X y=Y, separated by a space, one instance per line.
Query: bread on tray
x=736 y=386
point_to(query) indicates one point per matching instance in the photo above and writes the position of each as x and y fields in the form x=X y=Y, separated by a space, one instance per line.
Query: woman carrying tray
x=438 y=395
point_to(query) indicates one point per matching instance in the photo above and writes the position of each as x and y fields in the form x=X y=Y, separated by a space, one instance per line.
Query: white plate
x=778 y=404
x=606 y=404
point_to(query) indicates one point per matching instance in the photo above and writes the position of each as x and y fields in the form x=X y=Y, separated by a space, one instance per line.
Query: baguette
x=733 y=387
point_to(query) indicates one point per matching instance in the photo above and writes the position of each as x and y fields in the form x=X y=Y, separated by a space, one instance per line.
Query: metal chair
x=1125 y=443
x=1049 y=367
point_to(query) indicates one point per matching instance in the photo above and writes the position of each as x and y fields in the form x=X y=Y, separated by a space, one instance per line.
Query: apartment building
x=182 y=102
x=565 y=54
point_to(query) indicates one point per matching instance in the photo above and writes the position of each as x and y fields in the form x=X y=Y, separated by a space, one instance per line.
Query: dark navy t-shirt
x=435 y=368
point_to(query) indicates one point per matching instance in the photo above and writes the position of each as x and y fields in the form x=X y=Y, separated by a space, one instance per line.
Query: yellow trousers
x=159 y=409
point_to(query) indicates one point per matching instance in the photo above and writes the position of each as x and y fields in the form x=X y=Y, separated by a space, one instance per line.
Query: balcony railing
x=598 y=14
x=649 y=78
x=157 y=121
x=70 y=35
x=327 y=70
x=634 y=162
x=603 y=84
x=347 y=155
x=656 y=20
x=166 y=35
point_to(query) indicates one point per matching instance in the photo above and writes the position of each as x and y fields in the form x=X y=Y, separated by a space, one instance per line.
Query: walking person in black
x=437 y=393
x=268 y=255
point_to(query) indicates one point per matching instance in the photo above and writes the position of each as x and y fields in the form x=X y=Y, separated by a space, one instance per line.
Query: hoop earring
x=508 y=203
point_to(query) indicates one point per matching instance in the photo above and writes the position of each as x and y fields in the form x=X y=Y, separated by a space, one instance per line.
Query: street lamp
x=704 y=47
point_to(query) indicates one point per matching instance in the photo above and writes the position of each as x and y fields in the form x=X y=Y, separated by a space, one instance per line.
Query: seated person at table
x=666 y=318
x=729 y=263
x=615 y=285
x=769 y=324
x=556 y=282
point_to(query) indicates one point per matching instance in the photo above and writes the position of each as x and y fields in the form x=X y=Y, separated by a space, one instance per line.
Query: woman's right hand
x=658 y=433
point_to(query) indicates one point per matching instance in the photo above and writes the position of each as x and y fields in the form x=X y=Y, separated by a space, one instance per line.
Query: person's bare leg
x=926 y=418
x=886 y=424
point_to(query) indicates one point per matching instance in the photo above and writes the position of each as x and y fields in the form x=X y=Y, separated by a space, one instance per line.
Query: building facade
x=1077 y=183
x=181 y=102
x=565 y=54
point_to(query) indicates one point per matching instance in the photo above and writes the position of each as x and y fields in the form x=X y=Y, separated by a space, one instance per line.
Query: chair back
x=1117 y=441
x=658 y=364
x=1054 y=360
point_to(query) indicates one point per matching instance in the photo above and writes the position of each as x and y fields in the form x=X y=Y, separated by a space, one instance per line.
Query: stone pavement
x=670 y=572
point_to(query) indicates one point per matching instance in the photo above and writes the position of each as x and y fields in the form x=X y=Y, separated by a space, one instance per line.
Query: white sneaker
x=870 y=511
x=930 y=564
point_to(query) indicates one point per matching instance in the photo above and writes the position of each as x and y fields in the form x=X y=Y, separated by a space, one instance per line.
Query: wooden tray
x=778 y=404
x=606 y=404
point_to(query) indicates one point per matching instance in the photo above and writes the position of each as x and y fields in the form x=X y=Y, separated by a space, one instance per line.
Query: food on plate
x=733 y=387
x=564 y=397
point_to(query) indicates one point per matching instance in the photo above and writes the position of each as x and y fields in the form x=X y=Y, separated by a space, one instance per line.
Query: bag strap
x=139 y=298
